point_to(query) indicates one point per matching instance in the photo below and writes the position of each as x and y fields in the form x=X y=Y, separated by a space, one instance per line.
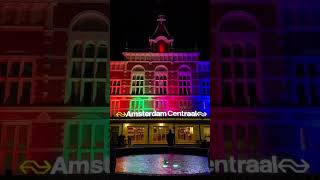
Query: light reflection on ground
x=162 y=164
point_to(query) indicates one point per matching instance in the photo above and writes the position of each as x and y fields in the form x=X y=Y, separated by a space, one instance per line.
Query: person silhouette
x=170 y=138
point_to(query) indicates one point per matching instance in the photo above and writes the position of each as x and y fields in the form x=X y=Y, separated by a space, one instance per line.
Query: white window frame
x=185 y=77
x=137 y=105
x=20 y=79
x=95 y=80
x=134 y=88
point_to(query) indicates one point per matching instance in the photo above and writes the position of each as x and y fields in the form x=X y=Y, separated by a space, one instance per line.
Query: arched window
x=102 y=51
x=225 y=51
x=250 y=50
x=185 y=80
x=137 y=81
x=238 y=21
x=91 y=22
x=237 y=51
x=90 y=51
x=161 y=81
x=87 y=82
x=77 y=51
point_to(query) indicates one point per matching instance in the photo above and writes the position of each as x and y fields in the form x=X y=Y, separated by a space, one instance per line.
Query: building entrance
x=185 y=135
x=137 y=134
x=160 y=134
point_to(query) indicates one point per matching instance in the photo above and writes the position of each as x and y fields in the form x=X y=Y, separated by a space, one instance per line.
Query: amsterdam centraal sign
x=60 y=166
x=273 y=165
x=162 y=114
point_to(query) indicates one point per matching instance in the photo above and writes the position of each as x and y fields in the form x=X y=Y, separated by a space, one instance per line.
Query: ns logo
x=121 y=114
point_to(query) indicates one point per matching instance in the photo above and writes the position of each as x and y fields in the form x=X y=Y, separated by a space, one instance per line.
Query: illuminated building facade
x=160 y=79
x=265 y=80
x=54 y=86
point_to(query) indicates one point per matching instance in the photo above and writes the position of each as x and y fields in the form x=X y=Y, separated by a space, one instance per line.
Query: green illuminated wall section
x=141 y=103
x=87 y=139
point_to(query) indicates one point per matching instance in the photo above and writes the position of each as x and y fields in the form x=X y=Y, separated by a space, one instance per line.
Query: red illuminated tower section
x=161 y=41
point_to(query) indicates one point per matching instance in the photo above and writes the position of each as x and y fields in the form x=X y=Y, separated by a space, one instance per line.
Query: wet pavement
x=162 y=164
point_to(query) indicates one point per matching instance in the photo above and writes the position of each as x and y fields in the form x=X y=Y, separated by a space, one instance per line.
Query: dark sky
x=133 y=21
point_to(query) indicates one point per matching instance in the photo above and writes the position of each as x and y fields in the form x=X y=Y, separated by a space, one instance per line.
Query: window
x=3 y=69
x=161 y=81
x=300 y=72
x=185 y=81
x=26 y=92
x=227 y=134
x=240 y=94
x=101 y=70
x=27 y=69
x=98 y=140
x=205 y=87
x=161 y=105
x=226 y=70
x=91 y=23
x=89 y=70
x=77 y=51
x=114 y=107
x=137 y=105
x=88 y=93
x=225 y=51
x=239 y=70
x=76 y=70
x=227 y=94
x=102 y=51
x=250 y=51
x=205 y=105
x=73 y=135
x=86 y=136
x=137 y=84
x=251 y=70
x=160 y=134
x=206 y=133
x=88 y=77
x=13 y=93
x=237 y=51
x=252 y=92
x=115 y=87
x=254 y=137
x=301 y=94
x=89 y=51
x=2 y=91
x=312 y=70
x=136 y=134
x=241 y=138
x=101 y=94
x=314 y=95
x=185 y=105
x=75 y=93
x=137 y=81
x=15 y=69
x=16 y=82
x=185 y=134
x=117 y=66
x=85 y=140
x=203 y=67
x=14 y=144
x=303 y=138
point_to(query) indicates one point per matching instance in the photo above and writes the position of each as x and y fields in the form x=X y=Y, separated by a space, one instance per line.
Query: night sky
x=133 y=21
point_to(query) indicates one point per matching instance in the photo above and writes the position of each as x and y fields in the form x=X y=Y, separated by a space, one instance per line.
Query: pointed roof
x=161 y=29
